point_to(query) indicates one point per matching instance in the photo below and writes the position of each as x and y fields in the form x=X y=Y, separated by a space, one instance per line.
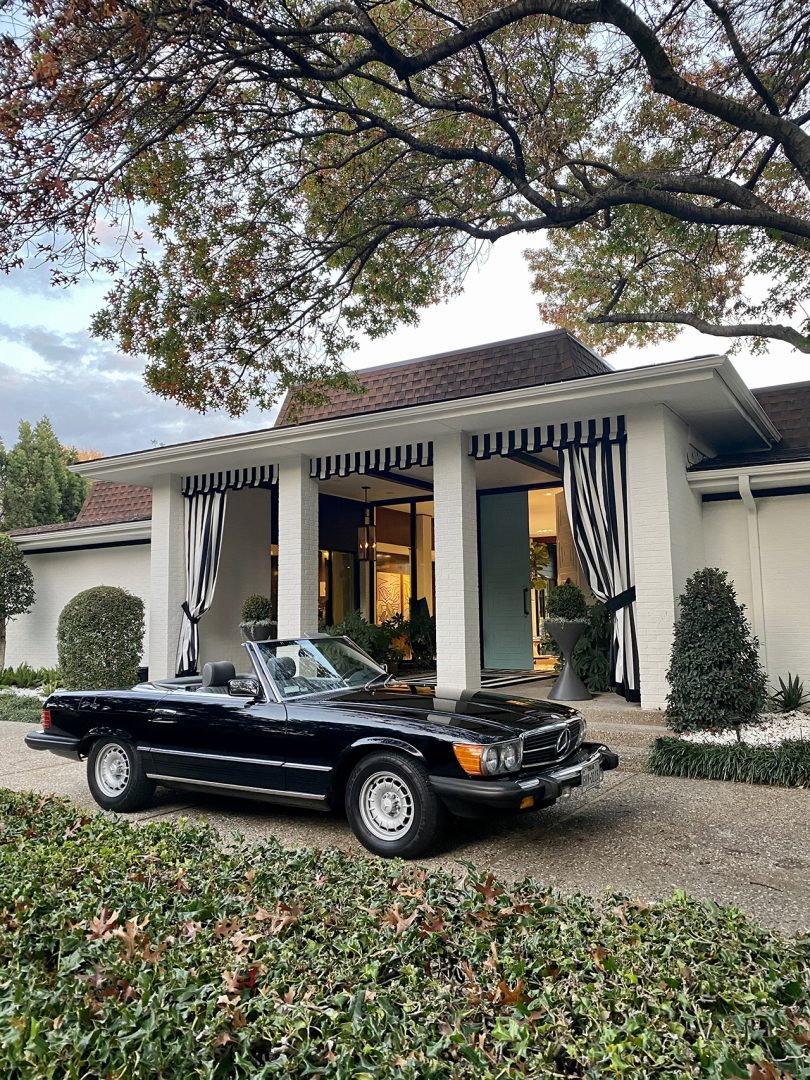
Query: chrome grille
x=540 y=746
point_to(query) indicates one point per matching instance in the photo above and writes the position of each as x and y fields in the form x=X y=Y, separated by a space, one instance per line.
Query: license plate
x=591 y=775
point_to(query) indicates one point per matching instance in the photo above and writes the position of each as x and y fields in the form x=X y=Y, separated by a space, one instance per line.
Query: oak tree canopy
x=265 y=180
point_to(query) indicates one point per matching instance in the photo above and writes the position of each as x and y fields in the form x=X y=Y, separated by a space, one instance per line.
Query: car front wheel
x=116 y=777
x=391 y=806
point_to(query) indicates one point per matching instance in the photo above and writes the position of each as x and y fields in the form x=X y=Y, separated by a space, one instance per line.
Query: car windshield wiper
x=380 y=675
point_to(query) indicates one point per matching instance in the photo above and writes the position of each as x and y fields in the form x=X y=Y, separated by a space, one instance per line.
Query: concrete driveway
x=639 y=835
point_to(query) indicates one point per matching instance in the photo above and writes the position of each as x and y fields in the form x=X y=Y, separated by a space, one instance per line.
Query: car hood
x=481 y=713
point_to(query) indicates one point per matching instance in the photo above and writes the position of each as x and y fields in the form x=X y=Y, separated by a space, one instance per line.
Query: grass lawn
x=159 y=951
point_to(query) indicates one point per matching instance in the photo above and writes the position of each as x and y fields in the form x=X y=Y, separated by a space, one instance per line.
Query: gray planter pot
x=569 y=686
x=258 y=631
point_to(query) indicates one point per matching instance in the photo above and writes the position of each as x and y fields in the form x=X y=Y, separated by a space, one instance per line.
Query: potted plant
x=566 y=621
x=258 y=619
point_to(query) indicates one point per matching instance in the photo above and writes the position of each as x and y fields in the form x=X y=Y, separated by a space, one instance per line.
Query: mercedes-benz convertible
x=316 y=722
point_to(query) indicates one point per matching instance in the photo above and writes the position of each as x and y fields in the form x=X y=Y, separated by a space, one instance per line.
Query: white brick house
x=462 y=458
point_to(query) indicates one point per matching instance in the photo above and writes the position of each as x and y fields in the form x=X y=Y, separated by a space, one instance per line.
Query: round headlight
x=490 y=759
x=509 y=757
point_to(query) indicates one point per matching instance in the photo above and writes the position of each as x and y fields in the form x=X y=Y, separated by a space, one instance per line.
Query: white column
x=297 y=549
x=167 y=576
x=458 y=643
x=666 y=526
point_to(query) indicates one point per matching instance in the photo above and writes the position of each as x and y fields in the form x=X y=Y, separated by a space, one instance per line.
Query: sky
x=95 y=397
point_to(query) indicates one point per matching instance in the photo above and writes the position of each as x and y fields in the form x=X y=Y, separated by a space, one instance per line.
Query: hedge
x=19 y=707
x=161 y=951
x=99 y=639
x=786 y=765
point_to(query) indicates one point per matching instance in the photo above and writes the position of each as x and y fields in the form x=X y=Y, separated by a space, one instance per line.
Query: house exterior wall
x=244 y=569
x=58 y=577
x=784 y=525
x=667 y=536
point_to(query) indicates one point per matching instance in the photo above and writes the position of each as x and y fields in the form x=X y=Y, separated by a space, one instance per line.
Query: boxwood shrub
x=787 y=765
x=161 y=951
x=100 y=639
x=715 y=677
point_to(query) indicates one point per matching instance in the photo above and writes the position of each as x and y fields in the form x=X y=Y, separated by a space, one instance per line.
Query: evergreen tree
x=36 y=486
x=715 y=677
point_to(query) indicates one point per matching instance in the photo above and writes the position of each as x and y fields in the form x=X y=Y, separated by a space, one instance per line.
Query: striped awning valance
x=257 y=476
x=364 y=461
x=532 y=440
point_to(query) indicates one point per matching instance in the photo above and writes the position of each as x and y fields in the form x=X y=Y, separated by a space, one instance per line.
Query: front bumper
x=468 y=797
x=63 y=745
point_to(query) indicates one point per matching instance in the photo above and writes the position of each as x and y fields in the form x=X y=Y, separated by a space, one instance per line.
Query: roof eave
x=617 y=390
x=118 y=532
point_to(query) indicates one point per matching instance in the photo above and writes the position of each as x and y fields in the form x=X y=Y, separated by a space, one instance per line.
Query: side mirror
x=246 y=688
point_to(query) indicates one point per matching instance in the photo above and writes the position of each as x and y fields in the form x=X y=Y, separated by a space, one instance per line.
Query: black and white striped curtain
x=362 y=461
x=205 y=500
x=595 y=483
x=205 y=521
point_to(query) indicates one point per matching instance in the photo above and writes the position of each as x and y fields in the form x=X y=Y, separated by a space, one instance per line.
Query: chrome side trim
x=240 y=760
x=236 y=787
x=210 y=757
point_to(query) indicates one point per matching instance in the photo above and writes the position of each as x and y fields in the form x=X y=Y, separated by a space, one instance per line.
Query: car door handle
x=166 y=716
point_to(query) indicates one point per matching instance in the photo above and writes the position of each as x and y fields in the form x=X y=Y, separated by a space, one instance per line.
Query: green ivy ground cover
x=787 y=765
x=160 y=951
x=23 y=709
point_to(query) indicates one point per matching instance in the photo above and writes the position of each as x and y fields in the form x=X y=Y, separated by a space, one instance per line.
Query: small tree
x=16 y=588
x=567 y=603
x=100 y=639
x=715 y=677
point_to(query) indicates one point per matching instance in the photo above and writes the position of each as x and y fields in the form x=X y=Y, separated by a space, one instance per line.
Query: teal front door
x=505 y=583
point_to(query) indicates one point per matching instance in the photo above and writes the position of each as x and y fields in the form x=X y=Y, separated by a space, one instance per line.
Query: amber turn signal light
x=468 y=755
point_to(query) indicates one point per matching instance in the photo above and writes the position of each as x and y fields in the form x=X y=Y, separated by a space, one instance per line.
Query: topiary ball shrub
x=100 y=639
x=257 y=608
x=715 y=677
x=566 y=603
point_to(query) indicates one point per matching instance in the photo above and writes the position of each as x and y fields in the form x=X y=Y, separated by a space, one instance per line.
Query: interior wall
x=505 y=582
x=58 y=577
x=244 y=569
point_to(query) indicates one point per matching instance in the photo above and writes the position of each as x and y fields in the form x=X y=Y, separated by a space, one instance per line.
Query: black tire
x=391 y=805
x=116 y=777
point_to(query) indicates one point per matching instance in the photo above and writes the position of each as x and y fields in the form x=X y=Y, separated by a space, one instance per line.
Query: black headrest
x=282 y=667
x=218 y=673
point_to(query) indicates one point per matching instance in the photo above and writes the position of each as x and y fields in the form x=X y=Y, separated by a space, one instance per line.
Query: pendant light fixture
x=366 y=534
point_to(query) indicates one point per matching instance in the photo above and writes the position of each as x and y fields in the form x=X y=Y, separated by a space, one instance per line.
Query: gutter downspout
x=755 y=560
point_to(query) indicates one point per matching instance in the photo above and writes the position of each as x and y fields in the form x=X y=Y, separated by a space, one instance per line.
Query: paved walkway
x=639 y=834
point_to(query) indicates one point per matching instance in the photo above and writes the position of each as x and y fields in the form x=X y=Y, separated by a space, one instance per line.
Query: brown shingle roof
x=106 y=504
x=553 y=356
x=110 y=503
x=789 y=408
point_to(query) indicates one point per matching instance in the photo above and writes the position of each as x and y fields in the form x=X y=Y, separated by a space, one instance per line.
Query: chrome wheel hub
x=386 y=806
x=112 y=771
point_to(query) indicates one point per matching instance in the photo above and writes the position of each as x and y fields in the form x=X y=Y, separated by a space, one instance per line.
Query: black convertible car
x=318 y=723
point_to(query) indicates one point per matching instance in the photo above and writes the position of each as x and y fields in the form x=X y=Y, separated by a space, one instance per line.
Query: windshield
x=304 y=666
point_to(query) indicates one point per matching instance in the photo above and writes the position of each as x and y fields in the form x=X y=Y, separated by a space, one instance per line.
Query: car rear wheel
x=116 y=777
x=391 y=805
